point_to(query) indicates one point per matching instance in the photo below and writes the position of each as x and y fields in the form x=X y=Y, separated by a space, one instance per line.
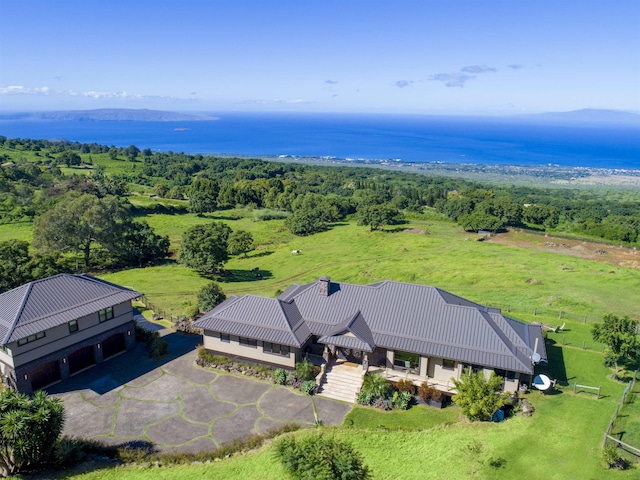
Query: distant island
x=110 y=114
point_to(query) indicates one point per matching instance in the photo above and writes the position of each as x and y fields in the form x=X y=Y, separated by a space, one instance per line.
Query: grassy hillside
x=510 y=277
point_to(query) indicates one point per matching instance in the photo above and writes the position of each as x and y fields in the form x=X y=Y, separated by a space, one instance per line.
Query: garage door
x=44 y=374
x=112 y=345
x=81 y=358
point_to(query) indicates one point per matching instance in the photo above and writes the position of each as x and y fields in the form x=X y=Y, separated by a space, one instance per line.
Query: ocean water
x=408 y=138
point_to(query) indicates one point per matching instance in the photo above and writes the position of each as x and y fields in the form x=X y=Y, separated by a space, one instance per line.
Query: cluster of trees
x=84 y=223
x=316 y=196
x=621 y=335
x=19 y=266
x=206 y=248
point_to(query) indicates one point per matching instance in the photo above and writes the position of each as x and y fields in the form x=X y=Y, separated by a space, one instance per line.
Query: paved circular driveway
x=177 y=405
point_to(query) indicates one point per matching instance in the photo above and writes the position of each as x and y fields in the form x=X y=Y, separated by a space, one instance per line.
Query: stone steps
x=341 y=383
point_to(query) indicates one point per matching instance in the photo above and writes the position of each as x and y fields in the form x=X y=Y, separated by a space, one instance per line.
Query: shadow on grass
x=266 y=253
x=555 y=367
x=124 y=368
x=232 y=276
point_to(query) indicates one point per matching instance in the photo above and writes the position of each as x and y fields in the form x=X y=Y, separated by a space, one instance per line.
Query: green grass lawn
x=627 y=425
x=446 y=257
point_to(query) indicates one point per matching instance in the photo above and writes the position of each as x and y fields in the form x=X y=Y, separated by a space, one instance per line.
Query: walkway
x=177 y=405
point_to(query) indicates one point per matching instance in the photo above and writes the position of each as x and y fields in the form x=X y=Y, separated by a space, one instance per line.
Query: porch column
x=365 y=361
x=390 y=355
x=424 y=366
x=325 y=354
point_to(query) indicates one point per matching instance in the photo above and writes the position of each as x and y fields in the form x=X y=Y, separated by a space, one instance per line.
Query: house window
x=407 y=361
x=275 y=349
x=73 y=326
x=248 y=342
x=448 y=364
x=31 y=338
x=472 y=368
x=224 y=337
x=105 y=314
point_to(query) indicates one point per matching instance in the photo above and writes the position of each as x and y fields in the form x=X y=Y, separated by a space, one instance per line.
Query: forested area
x=76 y=196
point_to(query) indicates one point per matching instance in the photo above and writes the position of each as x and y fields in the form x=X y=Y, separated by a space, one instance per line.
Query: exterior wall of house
x=442 y=375
x=19 y=378
x=17 y=362
x=59 y=337
x=211 y=341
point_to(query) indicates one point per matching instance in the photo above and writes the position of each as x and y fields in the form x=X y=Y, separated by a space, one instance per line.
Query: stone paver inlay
x=179 y=406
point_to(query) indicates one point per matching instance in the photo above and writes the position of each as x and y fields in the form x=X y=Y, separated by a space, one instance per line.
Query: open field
x=518 y=277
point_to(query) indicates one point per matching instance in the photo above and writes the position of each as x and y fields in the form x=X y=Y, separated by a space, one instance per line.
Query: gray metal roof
x=47 y=303
x=262 y=318
x=393 y=315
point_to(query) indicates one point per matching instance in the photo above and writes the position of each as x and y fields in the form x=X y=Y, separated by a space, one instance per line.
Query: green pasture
x=16 y=231
x=518 y=280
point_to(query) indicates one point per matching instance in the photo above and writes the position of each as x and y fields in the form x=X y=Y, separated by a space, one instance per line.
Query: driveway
x=177 y=405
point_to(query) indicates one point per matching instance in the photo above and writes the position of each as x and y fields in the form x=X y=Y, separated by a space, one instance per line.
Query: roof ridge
x=18 y=313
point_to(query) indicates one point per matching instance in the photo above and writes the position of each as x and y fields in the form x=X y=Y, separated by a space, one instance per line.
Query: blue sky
x=428 y=56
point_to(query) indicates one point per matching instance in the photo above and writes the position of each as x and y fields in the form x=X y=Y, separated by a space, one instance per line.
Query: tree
x=70 y=158
x=77 y=222
x=620 y=335
x=479 y=220
x=210 y=296
x=14 y=264
x=18 y=266
x=139 y=244
x=376 y=216
x=132 y=153
x=318 y=457
x=205 y=247
x=240 y=242
x=203 y=196
x=29 y=427
x=478 y=396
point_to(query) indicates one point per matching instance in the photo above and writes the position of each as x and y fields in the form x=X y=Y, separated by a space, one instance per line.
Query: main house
x=57 y=326
x=401 y=330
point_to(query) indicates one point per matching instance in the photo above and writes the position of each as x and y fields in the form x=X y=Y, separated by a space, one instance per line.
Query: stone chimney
x=324 y=286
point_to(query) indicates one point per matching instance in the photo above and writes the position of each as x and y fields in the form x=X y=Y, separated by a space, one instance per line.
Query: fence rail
x=607 y=433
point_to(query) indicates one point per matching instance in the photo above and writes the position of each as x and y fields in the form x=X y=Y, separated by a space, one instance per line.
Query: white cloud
x=46 y=91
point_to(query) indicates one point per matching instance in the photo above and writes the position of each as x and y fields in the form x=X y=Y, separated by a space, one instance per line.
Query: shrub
x=282 y=376
x=318 y=457
x=612 y=459
x=376 y=384
x=405 y=385
x=158 y=347
x=382 y=403
x=427 y=392
x=478 y=396
x=308 y=387
x=305 y=370
x=67 y=452
x=364 y=398
x=403 y=400
x=29 y=428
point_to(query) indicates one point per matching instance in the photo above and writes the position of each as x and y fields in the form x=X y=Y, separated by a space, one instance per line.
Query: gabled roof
x=393 y=315
x=47 y=303
x=353 y=333
x=251 y=316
